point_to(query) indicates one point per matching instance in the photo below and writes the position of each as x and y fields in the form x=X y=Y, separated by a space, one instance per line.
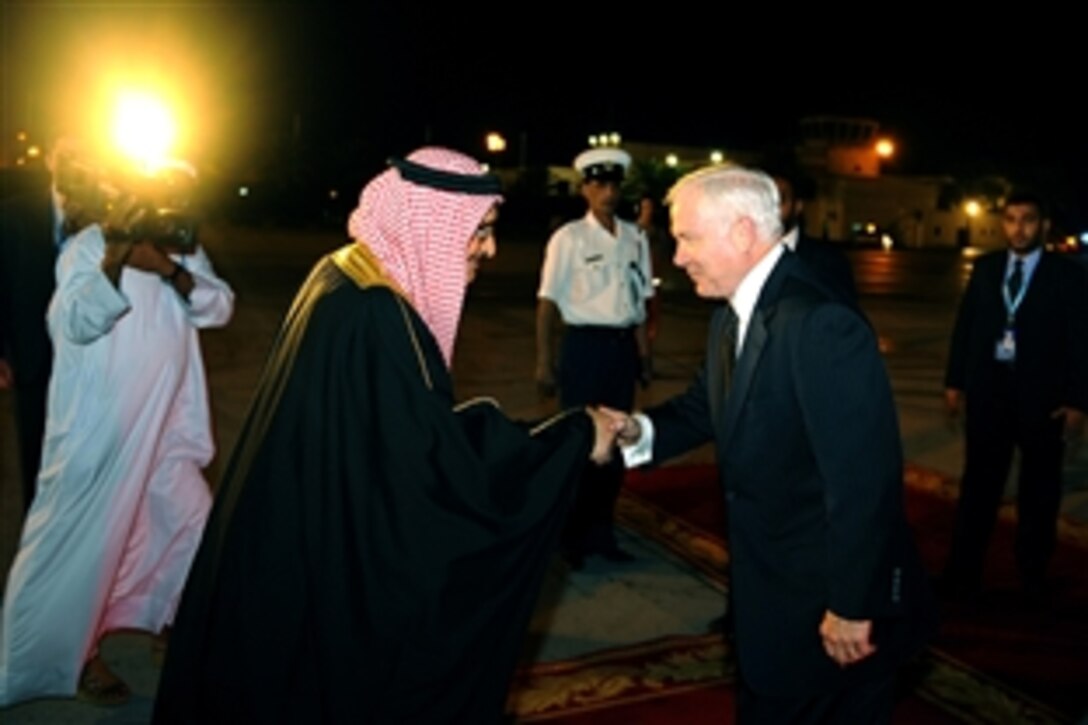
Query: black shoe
x=576 y=560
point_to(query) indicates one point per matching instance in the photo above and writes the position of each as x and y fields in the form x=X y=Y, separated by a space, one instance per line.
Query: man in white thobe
x=121 y=502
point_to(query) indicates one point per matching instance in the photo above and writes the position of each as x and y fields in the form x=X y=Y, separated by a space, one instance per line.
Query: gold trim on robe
x=360 y=265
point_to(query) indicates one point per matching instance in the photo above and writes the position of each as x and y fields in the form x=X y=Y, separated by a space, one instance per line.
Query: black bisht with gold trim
x=374 y=552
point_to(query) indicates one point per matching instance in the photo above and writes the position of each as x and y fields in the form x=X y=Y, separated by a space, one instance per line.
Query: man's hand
x=625 y=427
x=7 y=377
x=545 y=382
x=604 y=438
x=149 y=258
x=953 y=406
x=1072 y=430
x=846 y=641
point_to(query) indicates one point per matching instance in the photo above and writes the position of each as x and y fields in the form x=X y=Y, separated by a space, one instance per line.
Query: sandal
x=98 y=685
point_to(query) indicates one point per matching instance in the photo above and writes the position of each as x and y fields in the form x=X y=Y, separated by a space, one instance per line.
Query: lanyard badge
x=1005 y=350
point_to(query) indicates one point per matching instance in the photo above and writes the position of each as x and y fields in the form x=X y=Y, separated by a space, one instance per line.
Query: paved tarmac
x=909 y=296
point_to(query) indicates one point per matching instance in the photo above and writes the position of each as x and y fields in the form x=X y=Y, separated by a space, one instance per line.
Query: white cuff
x=641 y=451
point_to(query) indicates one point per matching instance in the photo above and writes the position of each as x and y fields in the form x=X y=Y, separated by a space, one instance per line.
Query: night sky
x=337 y=89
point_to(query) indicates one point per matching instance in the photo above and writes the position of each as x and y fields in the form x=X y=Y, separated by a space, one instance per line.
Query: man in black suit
x=1018 y=366
x=829 y=263
x=829 y=595
x=31 y=231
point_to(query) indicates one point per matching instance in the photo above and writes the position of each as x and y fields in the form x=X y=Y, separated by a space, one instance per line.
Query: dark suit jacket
x=1051 y=338
x=27 y=256
x=809 y=456
x=829 y=263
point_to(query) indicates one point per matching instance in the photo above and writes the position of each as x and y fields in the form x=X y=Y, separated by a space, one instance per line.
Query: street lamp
x=972 y=209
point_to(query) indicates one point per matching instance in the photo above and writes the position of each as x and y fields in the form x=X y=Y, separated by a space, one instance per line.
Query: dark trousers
x=597 y=366
x=992 y=434
x=29 y=402
x=859 y=702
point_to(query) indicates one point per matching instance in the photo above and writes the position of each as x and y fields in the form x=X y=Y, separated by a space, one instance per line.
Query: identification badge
x=1006 y=347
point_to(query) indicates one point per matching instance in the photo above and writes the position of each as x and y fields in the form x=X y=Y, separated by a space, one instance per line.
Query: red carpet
x=991 y=664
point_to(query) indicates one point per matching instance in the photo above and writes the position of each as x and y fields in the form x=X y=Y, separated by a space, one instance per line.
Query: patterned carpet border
x=625 y=675
x=674 y=665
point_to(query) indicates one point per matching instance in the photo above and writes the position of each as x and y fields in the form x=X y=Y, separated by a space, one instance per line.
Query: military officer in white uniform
x=596 y=278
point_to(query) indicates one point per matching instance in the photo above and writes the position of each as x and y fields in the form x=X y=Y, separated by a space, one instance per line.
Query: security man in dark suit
x=828 y=591
x=1018 y=369
x=829 y=263
x=31 y=234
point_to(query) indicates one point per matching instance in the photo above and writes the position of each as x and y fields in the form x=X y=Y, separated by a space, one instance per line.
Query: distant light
x=614 y=138
x=485 y=167
x=495 y=142
x=33 y=152
x=973 y=208
x=870 y=228
x=602 y=140
x=334 y=194
x=1084 y=238
x=593 y=141
x=21 y=136
x=243 y=191
x=716 y=157
x=885 y=148
x=671 y=161
x=20 y=161
x=886 y=241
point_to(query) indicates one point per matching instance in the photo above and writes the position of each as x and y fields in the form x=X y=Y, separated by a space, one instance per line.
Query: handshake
x=611 y=427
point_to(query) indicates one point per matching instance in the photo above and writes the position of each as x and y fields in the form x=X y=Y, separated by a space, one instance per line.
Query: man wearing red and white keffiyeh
x=425 y=252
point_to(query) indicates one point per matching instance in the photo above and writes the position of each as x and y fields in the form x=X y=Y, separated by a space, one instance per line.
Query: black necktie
x=728 y=345
x=1016 y=279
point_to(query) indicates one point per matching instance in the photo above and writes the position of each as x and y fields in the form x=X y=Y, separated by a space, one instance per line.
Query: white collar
x=790 y=238
x=747 y=293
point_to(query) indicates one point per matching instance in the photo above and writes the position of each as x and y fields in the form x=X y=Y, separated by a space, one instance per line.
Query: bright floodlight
x=671 y=161
x=144 y=129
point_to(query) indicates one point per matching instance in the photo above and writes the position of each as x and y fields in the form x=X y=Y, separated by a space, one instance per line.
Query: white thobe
x=121 y=502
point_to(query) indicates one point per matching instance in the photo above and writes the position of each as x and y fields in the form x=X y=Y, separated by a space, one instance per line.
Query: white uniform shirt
x=595 y=278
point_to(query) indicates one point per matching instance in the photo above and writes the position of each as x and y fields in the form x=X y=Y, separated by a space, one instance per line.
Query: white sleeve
x=85 y=305
x=211 y=303
x=641 y=451
x=555 y=274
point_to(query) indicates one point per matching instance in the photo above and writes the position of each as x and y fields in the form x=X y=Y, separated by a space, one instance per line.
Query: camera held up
x=130 y=207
